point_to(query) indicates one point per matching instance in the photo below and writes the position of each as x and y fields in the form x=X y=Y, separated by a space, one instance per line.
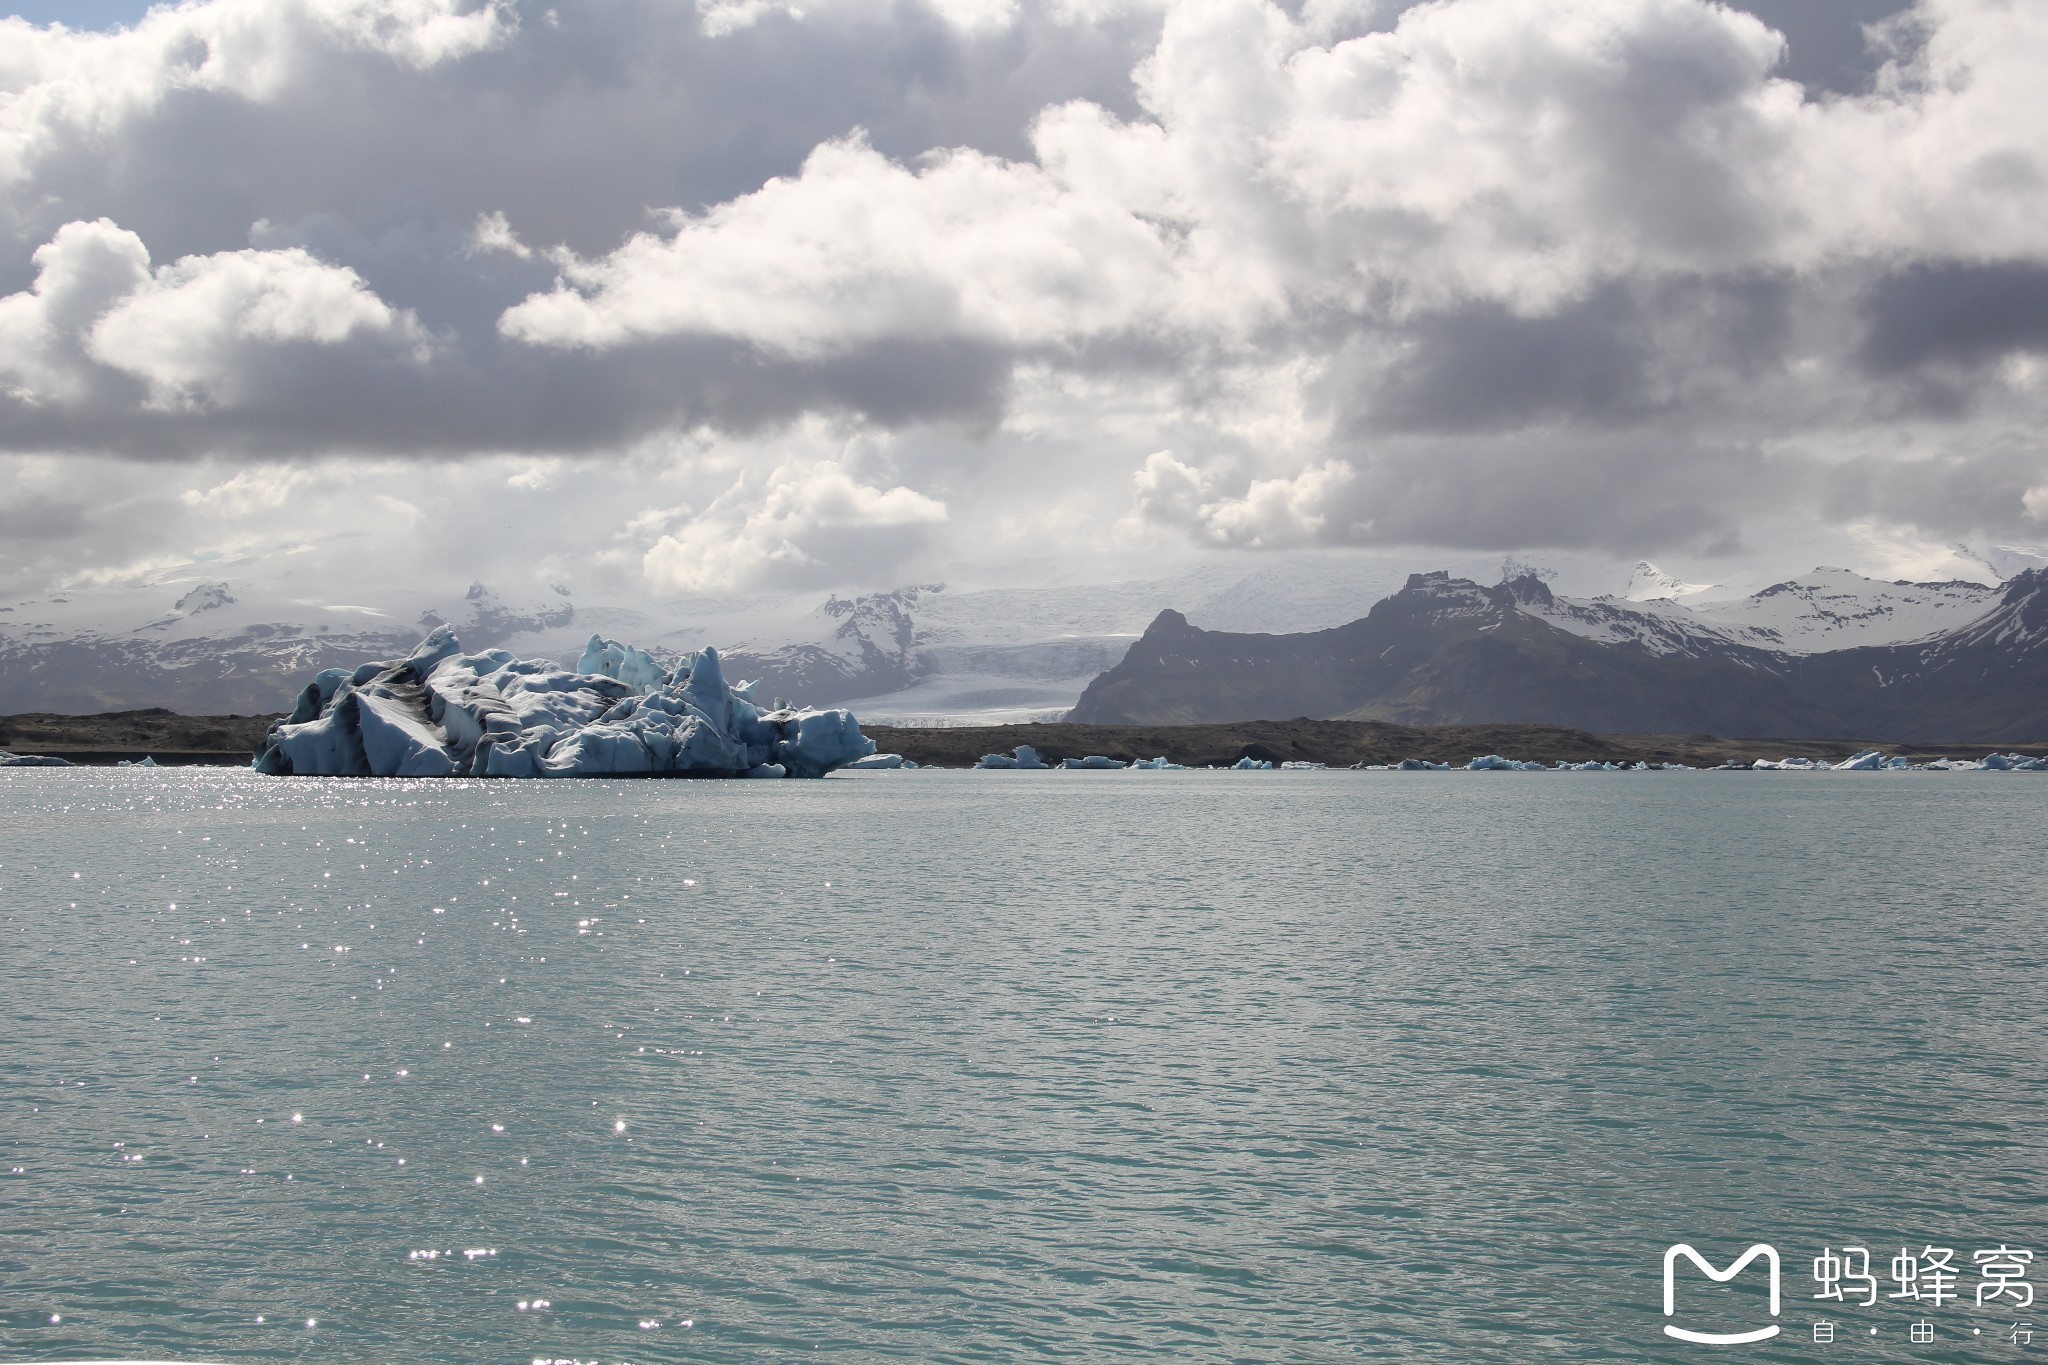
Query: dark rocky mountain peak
x=1527 y=590
x=1437 y=595
x=205 y=597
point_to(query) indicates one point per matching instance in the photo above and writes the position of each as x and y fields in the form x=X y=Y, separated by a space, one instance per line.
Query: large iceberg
x=439 y=712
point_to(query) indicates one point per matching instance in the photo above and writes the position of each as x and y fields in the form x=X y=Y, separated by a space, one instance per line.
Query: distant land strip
x=1342 y=743
x=170 y=738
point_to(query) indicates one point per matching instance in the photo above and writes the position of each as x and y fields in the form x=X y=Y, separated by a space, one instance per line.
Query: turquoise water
x=984 y=1066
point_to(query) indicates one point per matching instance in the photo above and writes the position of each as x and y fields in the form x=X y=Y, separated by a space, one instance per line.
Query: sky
x=673 y=299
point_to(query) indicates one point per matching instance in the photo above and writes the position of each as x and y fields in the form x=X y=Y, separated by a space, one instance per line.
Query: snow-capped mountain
x=1827 y=655
x=1649 y=583
x=1825 y=610
x=208 y=646
x=243 y=636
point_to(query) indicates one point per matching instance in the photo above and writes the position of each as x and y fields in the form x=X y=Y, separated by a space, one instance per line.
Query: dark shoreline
x=1342 y=744
x=229 y=741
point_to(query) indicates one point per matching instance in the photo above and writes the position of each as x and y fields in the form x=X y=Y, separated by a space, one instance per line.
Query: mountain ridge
x=1446 y=651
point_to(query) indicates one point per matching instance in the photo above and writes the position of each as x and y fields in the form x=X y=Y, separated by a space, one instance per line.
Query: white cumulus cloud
x=801 y=529
x=192 y=331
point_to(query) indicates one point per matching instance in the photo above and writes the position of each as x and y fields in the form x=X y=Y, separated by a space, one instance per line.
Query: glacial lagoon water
x=992 y=1066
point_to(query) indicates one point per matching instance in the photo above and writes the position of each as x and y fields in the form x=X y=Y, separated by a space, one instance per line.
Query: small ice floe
x=1784 y=765
x=144 y=762
x=1869 y=761
x=1421 y=765
x=8 y=760
x=1299 y=766
x=873 y=761
x=1158 y=764
x=1248 y=764
x=1023 y=756
x=1495 y=763
x=1092 y=763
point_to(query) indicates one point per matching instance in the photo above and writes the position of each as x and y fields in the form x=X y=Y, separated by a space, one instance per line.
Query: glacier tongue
x=439 y=712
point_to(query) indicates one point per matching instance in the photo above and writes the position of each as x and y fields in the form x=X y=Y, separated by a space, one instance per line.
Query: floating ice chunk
x=1421 y=765
x=1093 y=762
x=1158 y=764
x=440 y=712
x=823 y=740
x=1869 y=761
x=144 y=762
x=1786 y=765
x=1301 y=767
x=881 y=761
x=1495 y=763
x=1897 y=764
x=1248 y=764
x=1023 y=756
x=8 y=760
x=768 y=770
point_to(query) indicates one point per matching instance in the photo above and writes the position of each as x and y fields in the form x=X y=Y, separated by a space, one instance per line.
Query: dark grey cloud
x=1954 y=313
x=1611 y=492
x=489 y=395
x=38 y=516
x=1487 y=369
